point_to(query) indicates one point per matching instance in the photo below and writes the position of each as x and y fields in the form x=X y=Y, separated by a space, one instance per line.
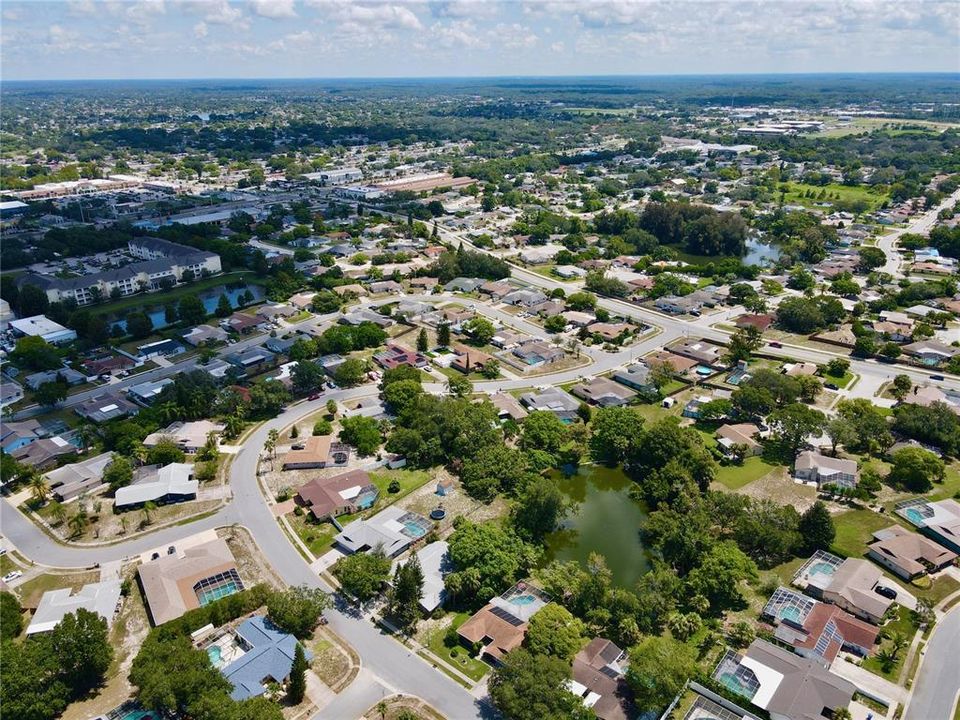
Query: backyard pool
x=523 y=599
x=215 y=654
x=215 y=593
x=790 y=613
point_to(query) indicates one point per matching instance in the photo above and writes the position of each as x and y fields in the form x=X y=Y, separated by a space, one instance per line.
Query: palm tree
x=271 y=445
x=167 y=412
x=148 y=507
x=39 y=488
x=78 y=522
x=123 y=524
x=58 y=512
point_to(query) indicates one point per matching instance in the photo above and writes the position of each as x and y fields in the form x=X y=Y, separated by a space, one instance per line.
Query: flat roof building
x=43 y=327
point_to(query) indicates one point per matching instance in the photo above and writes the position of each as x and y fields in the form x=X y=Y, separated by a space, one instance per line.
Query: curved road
x=938 y=677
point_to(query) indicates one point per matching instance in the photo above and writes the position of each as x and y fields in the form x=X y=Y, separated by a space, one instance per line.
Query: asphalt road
x=938 y=679
x=920 y=225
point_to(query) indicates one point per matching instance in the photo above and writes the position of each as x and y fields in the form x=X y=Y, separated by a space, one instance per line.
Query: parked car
x=314 y=396
x=831 y=386
x=11 y=576
x=886 y=592
x=937 y=377
x=775 y=344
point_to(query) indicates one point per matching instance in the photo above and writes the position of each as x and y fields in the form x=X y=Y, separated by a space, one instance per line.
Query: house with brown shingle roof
x=598 y=679
x=908 y=554
x=346 y=493
x=318 y=451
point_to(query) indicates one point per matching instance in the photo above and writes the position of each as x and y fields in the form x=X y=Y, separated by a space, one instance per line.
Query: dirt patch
x=391 y=708
x=780 y=487
x=456 y=502
x=334 y=662
x=252 y=566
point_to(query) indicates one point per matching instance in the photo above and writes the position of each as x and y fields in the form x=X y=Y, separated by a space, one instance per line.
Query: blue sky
x=80 y=39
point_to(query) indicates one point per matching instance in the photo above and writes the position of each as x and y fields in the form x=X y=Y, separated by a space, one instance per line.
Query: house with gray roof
x=100 y=598
x=261 y=653
x=67 y=375
x=106 y=407
x=464 y=284
x=552 y=400
x=393 y=530
x=160 y=485
x=636 y=376
x=72 y=480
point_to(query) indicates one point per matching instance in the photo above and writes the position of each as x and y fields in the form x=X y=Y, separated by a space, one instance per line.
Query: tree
x=582 y=301
x=31 y=688
x=539 y=509
x=744 y=342
x=542 y=430
x=224 y=308
x=267 y=398
x=719 y=573
x=527 y=686
x=494 y=469
x=361 y=575
x=553 y=631
x=491 y=369
x=119 y=473
x=902 y=385
x=306 y=377
x=659 y=669
x=35 y=353
x=407 y=591
x=297 y=685
x=58 y=512
x=555 y=324
x=11 y=616
x=443 y=334
x=916 y=469
x=423 y=344
x=350 y=372
x=800 y=315
x=171 y=675
x=399 y=395
x=792 y=425
x=139 y=325
x=487 y=559
x=869 y=425
x=871 y=258
x=148 y=507
x=362 y=433
x=191 y=310
x=840 y=433
x=51 y=393
x=816 y=528
x=332 y=407
x=166 y=451
x=480 y=330
x=297 y=610
x=459 y=386
x=82 y=647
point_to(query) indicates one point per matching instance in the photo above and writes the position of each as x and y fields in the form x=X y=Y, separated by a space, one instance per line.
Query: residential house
x=280 y=346
x=578 y=319
x=501 y=624
x=786 y=685
x=811 y=466
x=464 y=285
x=569 y=272
x=739 y=434
x=395 y=356
x=931 y=352
x=497 y=289
x=927 y=395
x=253 y=360
x=760 y=322
x=547 y=308
x=160 y=348
x=188 y=436
x=302 y=301
x=205 y=335
x=45 y=453
x=423 y=283
x=678 y=364
x=86 y=476
x=538 y=353
x=352 y=289
x=801 y=368
x=524 y=298
x=356 y=317
x=939 y=521
x=603 y=392
x=843 y=336
x=338 y=495
x=67 y=375
x=273 y=313
x=391 y=287
x=507 y=406
x=553 y=400
x=469 y=360
x=816 y=630
x=608 y=331
x=15 y=435
x=908 y=554
x=317 y=451
x=675 y=305
x=849 y=583
x=243 y=324
x=262 y=654
x=598 y=679
x=101 y=598
x=108 y=364
x=411 y=311
x=171 y=483
x=893 y=331
x=703 y=351
x=636 y=376
x=507 y=339
x=393 y=529
x=188 y=576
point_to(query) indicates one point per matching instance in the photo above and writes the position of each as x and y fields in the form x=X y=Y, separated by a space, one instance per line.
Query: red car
x=315 y=396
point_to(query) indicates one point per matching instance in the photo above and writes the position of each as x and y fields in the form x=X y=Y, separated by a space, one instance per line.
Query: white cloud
x=464 y=8
x=81 y=7
x=273 y=9
x=200 y=30
x=558 y=47
x=373 y=15
x=457 y=34
x=143 y=11
x=515 y=36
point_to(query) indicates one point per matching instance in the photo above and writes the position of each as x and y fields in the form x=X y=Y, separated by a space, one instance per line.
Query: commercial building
x=43 y=327
x=100 y=598
x=163 y=263
x=185 y=579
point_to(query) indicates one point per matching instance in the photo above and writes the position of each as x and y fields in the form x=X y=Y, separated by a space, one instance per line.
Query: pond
x=757 y=253
x=209 y=298
x=605 y=520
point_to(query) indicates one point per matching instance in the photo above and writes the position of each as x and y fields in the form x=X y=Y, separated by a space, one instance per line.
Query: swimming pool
x=131 y=711
x=523 y=599
x=414 y=529
x=215 y=593
x=703 y=370
x=822 y=568
x=215 y=654
x=914 y=516
x=790 y=613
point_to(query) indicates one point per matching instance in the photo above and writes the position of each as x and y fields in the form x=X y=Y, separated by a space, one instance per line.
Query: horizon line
x=198 y=78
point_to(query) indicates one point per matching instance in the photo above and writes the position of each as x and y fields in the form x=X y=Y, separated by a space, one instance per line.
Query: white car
x=11 y=576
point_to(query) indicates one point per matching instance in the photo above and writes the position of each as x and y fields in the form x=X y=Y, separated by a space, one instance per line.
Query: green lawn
x=855 y=529
x=942 y=587
x=833 y=191
x=458 y=656
x=318 y=537
x=409 y=481
x=903 y=626
x=841 y=382
x=735 y=477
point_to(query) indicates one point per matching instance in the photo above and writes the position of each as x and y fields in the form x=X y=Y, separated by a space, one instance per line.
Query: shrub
x=393 y=487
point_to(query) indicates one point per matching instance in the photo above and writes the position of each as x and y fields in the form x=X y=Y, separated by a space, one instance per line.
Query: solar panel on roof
x=610 y=672
x=505 y=616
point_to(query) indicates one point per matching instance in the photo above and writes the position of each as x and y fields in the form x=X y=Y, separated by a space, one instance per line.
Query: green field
x=833 y=192
x=855 y=529
x=735 y=477
x=904 y=626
